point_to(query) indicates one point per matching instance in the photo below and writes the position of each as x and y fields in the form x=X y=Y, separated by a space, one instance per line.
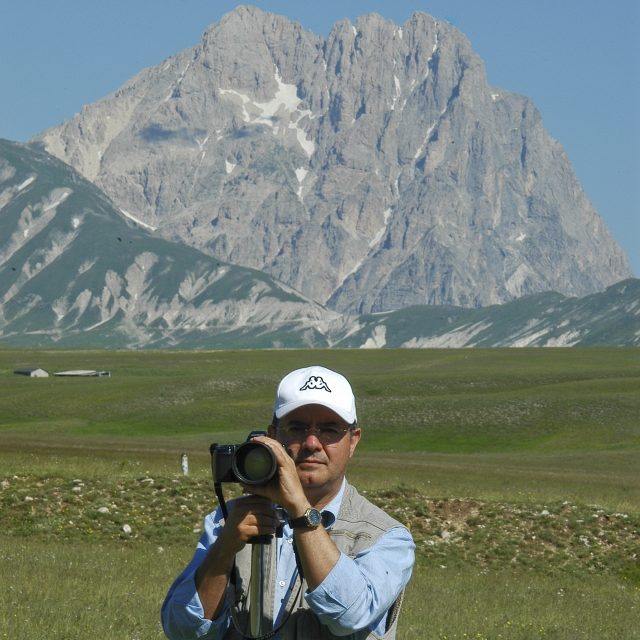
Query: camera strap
x=217 y=487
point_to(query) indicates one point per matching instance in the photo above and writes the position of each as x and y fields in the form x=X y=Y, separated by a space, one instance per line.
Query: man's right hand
x=248 y=517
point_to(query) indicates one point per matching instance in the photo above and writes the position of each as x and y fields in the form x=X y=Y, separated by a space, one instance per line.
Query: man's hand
x=248 y=516
x=285 y=488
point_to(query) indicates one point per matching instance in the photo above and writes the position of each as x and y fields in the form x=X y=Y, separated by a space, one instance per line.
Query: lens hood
x=254 y=463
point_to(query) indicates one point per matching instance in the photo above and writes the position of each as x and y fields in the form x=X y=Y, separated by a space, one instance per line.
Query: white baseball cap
x=316 y=385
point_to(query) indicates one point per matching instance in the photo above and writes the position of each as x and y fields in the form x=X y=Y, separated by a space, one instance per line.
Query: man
x=342 y=576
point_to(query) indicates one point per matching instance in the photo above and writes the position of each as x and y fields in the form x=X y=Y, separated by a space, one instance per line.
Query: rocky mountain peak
x=371 y=170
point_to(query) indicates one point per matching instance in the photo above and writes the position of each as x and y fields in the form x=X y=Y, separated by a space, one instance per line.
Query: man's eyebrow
x=302 y=423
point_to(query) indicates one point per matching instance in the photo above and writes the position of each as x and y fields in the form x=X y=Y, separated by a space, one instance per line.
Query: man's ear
x=271 y=431
x=356 y=434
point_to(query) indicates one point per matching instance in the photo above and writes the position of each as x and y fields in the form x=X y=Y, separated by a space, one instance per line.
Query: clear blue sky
x=578 y=60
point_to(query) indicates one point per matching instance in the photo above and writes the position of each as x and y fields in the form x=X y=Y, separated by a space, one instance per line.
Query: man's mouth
x=311 y=461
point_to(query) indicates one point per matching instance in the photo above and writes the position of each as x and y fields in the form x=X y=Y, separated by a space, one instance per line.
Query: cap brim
x=283 y=410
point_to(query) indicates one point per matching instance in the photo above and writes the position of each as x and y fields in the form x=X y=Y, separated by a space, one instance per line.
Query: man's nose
x=312 y=439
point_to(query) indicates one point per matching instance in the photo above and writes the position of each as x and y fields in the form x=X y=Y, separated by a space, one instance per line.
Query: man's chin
x=310 y=473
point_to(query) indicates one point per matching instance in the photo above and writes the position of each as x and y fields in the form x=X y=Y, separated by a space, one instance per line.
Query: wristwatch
x=311 y=519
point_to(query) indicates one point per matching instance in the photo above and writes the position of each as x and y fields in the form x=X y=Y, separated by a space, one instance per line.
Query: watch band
x=311 y=519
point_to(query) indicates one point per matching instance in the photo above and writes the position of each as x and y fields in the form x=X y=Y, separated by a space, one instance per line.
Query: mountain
x=372 y=171
x=608 y=318
x=76 y=271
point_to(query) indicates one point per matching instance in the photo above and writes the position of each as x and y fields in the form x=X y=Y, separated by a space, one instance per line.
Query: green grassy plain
x=517 y=471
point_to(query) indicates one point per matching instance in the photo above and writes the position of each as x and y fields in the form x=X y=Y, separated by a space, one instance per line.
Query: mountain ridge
x=607 y=318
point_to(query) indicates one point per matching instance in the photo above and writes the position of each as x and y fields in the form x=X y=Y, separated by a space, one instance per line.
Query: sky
x=578 y=61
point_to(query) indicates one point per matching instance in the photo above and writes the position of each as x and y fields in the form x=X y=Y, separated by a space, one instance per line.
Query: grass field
x=517 y=471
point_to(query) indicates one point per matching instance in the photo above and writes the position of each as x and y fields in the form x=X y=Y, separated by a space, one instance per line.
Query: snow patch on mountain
x=281 y=113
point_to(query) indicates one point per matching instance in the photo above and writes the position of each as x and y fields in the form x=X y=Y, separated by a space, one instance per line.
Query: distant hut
x=32 y=372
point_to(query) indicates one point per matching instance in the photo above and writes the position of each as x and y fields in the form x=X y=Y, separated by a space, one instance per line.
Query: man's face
x=321 y=445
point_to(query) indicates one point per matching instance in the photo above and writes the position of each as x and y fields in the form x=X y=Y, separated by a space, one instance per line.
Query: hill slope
x=608 y=318
x=76 y=271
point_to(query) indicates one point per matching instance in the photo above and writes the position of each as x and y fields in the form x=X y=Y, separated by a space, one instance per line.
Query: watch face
x=314 y=517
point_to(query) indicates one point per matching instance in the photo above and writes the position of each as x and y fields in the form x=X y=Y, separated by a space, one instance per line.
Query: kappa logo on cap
x=315 y=382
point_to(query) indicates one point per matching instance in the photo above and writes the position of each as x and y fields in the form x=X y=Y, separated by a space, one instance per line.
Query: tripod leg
x=257 y=589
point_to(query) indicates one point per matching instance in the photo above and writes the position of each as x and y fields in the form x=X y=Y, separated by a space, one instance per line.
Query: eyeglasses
x=326 y=433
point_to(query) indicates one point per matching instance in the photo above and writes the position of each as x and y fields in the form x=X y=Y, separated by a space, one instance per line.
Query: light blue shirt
x=356 y=594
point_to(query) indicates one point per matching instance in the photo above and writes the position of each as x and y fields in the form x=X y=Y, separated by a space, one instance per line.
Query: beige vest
x=358 y=525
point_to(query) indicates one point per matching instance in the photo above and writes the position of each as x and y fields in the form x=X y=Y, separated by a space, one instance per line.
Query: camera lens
x=254 y=463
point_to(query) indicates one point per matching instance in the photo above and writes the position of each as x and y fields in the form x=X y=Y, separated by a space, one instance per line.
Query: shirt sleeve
x=359 y=591
x=182 y=613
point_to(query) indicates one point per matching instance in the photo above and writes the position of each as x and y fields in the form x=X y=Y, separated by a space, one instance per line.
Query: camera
x=249 y=462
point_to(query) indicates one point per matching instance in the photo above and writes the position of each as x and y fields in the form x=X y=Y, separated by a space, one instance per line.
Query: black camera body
x=250 y=463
